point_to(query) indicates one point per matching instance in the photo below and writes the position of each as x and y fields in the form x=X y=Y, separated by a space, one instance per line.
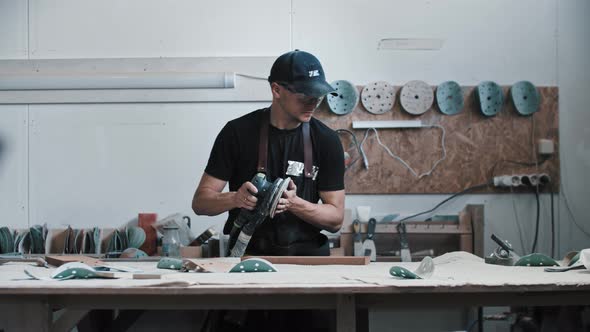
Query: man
x=298 y=85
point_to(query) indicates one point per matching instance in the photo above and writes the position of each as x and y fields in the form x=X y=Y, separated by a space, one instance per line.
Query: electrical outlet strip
x=516 y=180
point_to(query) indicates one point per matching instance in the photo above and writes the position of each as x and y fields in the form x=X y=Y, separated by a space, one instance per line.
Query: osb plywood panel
x=475 y=146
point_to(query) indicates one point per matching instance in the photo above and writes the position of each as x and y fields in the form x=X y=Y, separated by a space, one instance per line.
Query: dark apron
x=312 y=243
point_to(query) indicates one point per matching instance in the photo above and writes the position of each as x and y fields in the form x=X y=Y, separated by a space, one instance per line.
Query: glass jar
x=171 y=241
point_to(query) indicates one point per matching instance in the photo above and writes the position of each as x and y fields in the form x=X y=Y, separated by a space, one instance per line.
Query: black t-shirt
x=234 y=158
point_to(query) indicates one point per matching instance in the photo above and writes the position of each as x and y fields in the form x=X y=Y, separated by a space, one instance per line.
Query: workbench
x=459 y=279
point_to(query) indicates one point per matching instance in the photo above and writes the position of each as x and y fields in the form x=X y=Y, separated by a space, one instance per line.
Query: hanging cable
x=537 y=223
x=356 y=145
x=253 y=77
x=569 y=209
x=393 y=155
x=518 y=224
x=553 y=253
x=472 y=188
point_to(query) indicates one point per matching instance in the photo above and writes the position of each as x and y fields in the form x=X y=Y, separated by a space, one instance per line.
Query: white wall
x=89 y=164
x=574 y=81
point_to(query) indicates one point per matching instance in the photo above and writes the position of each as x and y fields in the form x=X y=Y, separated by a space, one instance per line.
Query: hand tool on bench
x=406 y=256
x=369 y=245
x=358 y=243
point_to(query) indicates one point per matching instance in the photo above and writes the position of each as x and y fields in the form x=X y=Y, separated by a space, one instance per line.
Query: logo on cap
x=314 y=73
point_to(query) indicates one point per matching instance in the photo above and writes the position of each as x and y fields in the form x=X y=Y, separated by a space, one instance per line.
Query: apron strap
x=307 y=151
x=263 y=146
x=263 y=141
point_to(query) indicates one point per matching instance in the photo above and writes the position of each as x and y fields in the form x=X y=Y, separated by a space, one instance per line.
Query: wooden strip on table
x=59 y=260
x=147 y=276
x=315 y=260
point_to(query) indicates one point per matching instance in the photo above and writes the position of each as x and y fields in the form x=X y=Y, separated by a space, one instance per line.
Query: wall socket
x=545 y=146
x=517 y=180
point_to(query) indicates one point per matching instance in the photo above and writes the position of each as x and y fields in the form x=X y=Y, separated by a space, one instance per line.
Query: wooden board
x=314 y=260
x=475 y=146
x=207 y=265
x=58 y=260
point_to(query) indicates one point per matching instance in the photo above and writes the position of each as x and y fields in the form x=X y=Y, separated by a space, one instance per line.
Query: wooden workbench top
x=454 y=272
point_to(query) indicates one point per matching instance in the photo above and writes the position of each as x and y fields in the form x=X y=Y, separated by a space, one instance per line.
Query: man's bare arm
x=328 y=216
x=209 y=200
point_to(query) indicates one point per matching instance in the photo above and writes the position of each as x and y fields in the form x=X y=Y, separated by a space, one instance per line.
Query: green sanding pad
x=170 y=263
x=575 y=259
x=254 y=265
x=536 y=259
x=346 y=100
x=526 y=97
x=490 y=98
x=449 y=98
x=402 y=273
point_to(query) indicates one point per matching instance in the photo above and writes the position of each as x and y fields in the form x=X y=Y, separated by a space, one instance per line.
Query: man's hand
x=288 y=198
x=328 y=215
x=244 y=197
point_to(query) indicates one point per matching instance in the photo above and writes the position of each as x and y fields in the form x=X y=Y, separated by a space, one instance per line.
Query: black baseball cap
x=303 y=72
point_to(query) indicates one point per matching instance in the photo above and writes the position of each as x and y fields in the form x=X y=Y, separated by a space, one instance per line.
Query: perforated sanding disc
x=416 y=97
x=490 y=98
x=526 y=97
x=378 y=97
x=347 y=98
x=449 y=97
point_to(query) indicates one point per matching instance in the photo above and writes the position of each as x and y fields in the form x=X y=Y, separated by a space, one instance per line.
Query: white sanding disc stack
x=378 y=97
x=416 y=97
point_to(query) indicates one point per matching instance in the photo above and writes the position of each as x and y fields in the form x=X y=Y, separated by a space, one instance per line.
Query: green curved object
x=74 y=270
x=25 y=242
x=449 y=98
x=88 y=243
x=132 y=252
x=253 y=265
x=490 y=98
x=37 y=242
x=135 y=236
x=346 y=100
x=403 y=273
x=96 y=234
x=170 y=263
x=116 y=242
x=6 y=241
x=526 y=97
x=575 y=259
x=536 y=259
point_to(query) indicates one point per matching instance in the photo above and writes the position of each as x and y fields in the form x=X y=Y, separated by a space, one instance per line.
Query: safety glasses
x=301 y=98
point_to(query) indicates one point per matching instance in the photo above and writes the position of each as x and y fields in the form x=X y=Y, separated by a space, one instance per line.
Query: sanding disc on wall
x=378 y=97
x=449 y=97
x=416 y=97
x=526 y=97
x=346 y=99
x=490 y=98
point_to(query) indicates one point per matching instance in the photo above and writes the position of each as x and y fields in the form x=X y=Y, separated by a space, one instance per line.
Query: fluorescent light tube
x=387 y=124
x=407 y=44
x=143 y=80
